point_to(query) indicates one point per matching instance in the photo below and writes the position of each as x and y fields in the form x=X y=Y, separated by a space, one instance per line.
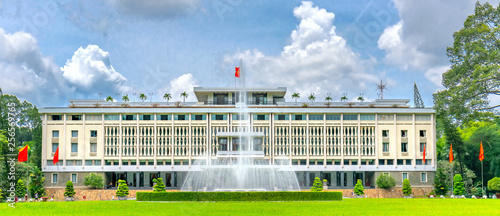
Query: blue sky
x=57 y=50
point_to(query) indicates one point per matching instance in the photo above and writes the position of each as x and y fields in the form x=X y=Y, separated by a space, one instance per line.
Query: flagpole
x=27 y=170
x=482 y=178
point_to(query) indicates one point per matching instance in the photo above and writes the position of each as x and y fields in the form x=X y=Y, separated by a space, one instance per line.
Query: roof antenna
x=417 y=98
x=381 y=88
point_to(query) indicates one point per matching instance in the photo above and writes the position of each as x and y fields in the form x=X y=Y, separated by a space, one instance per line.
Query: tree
x=94 y=181
x=474 y=75
x=167 y=97
x=184 y=95
x=109 y=99
x=440 y=182
x=69 y=191
x=406 y=187
x=36 y=182
x=361 y=99
x=494 y=185
x=295 y=96
x=358 y=188
x=122 y=190
x=328 y=98
x=125 y=98
x=159 y=186
x=143 y=97
x=311 y=97
x=344 y=98
x=20 y=188
x=458 y=185
x=317 y=185
x=450 y=169
x=385 y=181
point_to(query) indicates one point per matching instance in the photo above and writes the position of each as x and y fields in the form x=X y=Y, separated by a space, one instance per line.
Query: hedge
x=239 y=196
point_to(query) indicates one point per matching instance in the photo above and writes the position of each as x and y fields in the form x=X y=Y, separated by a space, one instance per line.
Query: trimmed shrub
x=69 y=191
x=122 y=188
x=385 y=181
x=93 y=180
x=317 y=185
x=358 y=188
x=494 y=185
x=458 y=185
x=159 y=186
x=476 y=191
x=440 y=186
x=406 y=187
x=20 y=188
x=239 y=196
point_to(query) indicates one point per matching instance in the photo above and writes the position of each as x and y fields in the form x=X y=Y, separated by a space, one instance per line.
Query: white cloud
x=90 y=71
x=435 y=75
x=317 y=60
x=156 y=8
x=183 y=83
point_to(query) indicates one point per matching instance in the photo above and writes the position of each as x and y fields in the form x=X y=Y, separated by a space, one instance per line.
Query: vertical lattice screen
x=164 y=140
x=215 y=144
x=111 y=136
x=265 y=142
x=350 y=141
x=129 y=139
x=281 y=141
x=316 y=141
x=299 y=141
x=367 y=141
x=146 y=144
x=198 y=141
x=333 y=141
x=181 y=138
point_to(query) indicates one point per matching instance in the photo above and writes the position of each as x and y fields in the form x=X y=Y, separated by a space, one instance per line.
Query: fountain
x=241 y=165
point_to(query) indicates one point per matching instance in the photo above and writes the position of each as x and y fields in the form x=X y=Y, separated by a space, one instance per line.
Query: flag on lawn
x=237 y=73
x=451 y=153
x=56 y=156
x=481 y=152
x=424 y=154
x=23 y=154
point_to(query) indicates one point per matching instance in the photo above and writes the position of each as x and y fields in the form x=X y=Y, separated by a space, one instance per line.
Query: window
x=219 y=117
x=387 y=117
x=260 y=117
x=316 y=117
x=404 y=117
x=333 y=117
x=400 y=162
x=54 y=178
x=367 y=117
x=381 y=162
x=198 y=117
x=74 y=147
x=405 y=176
x=111 y=117
x=423 y=177
x=390 y=162
x=93 y=133
x=422 y=133
x=74 y=133
x=385 y=133
x=76 y=117
x=422 y=117
x=146 y=117
x=408 y=162
x=56 y=117
x=239 y=117
x=181 y=117
x=404 y=147
x=422 y=145
x=350 y=117
x=54 y=147
x=88 y=162
x=281 y=117
x=163 y=117
x=299 y=117
x=387 y=174
x=129 y=117
x=404 y=133
x=73 y=177
x=93 y=117
x=93 y=147
x=55 y=133
x=385 y=147
x=97 y=162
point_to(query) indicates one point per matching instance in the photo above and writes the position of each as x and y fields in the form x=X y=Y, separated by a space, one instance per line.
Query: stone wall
x=90 y=194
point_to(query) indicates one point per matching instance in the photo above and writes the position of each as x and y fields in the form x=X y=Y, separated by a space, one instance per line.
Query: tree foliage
x=94 y=181
x=69 y=191
x=36 y=182
x=474 y=75
x=122 y=188
x=385 y=181
x=358 y=188
x=494 y=184
x=458 y=185
x=440 y=186
x=159 y=186
x=317 y=185
x=406 y=187
x=20 y=188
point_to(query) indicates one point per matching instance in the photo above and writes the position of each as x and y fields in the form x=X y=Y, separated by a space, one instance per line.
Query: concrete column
x=376 y=141
x=308 y=180
x=359 y=141
x=290 y=136
x=342 y=179
x=63 y=145
x=44 y=141
x=415 y=142
x=395 y=141
x=155 y=150
x=137 y=179
x=120 y=143
x=84 y=143
x=342 y=142
x=307 y=140
x=189 y=141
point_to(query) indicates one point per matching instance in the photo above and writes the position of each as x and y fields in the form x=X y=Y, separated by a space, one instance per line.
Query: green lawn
x=346 y=207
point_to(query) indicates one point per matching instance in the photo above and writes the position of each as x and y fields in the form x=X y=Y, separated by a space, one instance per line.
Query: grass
x=377 y=207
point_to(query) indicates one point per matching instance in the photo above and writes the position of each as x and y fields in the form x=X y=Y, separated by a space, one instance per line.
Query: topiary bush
x=94 y=181
x=240 y=196
x=159 y=186
x=358 y=188
x=385 y=181
x=476 y=191
x=406 y=187
x=317 y=185
x=440 y=186
x=458 y=185
x=20 y=188
x=122 y=190
x=494 y=185
x=69 y=191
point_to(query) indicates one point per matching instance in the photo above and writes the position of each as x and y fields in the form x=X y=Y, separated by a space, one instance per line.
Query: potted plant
x=122 y=191
x=494 y=186
x=407 y=188
x=317 y=186
x=159 y=186
x=69 y=192
x=325 y=184
x=359 y=190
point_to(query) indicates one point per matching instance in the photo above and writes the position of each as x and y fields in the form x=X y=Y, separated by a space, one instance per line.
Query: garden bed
x=239 y=196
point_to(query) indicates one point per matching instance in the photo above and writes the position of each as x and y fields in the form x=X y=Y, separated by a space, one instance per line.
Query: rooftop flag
x=56 y=156
x=237 y=73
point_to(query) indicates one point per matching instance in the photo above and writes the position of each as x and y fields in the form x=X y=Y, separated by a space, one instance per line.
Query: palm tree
x=143 y=97
x=167 y=96
x=361 y=99
x=311 y=97
x=296 y=96
x=109 y=99
x=328 y=98
x=184 y=95
x=343 y=98
x=125 y=98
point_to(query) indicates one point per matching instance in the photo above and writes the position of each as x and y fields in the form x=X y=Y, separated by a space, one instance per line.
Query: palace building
x=337 y=141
